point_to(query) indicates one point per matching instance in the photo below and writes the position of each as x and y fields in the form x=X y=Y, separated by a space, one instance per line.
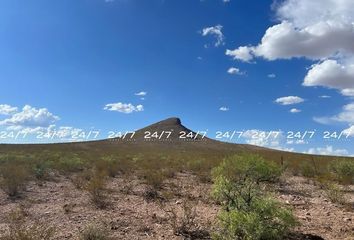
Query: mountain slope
x=149 y=141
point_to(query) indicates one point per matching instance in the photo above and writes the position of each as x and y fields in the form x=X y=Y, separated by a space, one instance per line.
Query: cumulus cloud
x=235 y=71
x=6 y=109
x=224 y=109
x=345 y=116
x=328 y=150
x=123 y=107
x=349 y=92
x=262 y=138
x=322 y=31
x=141 y=94
x=216 y=32
x=289 y=100
x=271 y=75
x=274 y=140
x=242 y=53
x=331 y=74
x=286 y=41
x=295 y=110
x=31 y=117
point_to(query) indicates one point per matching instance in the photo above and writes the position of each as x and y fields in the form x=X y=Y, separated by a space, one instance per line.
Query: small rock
x=347 y=219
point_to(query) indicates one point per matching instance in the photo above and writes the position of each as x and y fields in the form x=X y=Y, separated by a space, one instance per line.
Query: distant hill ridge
x=168 y=129
x=145 y=141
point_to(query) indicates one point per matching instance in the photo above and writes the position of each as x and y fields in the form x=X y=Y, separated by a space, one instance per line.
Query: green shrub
x=252 y=167
x=41 y=170
x=307 y=170
x=14 y=177
x=343 y=170
x=264 y=220
x=236 y=179
x=70 y=163
x=247 y=214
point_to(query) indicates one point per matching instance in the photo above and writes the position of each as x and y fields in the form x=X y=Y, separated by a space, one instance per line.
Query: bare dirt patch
x=129 y=215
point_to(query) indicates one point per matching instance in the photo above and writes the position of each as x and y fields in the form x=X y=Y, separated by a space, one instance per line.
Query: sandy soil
x=130 y=216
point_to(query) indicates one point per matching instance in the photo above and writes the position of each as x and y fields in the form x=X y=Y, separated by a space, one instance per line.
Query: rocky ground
x=131 y=213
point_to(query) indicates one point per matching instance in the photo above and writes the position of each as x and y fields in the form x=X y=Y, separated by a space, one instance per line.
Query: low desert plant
x=94 y=232
x=334 y=193
x=183 y=221
x=343 y=170
x=41 y=170
x=19 y=230
x=151 y=194
x=247 y=212
x=264 y=220
x=81 y=179
x=96 y=187
x=236 y=179
x=69 y=163
x=154 y=178
x=248 y=166
x=307 y=170
x=13 y=178
x=108 y=165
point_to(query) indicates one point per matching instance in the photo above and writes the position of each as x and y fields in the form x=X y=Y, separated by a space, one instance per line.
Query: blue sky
x=82 y=64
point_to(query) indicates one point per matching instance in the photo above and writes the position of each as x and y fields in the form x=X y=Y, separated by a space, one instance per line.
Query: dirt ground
x=129 y=215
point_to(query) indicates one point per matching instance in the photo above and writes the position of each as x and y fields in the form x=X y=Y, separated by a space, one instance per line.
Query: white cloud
x=289 y=100
x=216 y=32
x=142 y=93
x=224 y=109
x=31 y=117
x=235 y=71
x=295 y=110
x=323 y=120
x=286 y=41
x=324 y=96
x=345 y=116
x=241 y=53
x=322 y=31
x=349 y=92
x=328 y=150
x=331 y=74
x=7 y=109
x=123 y=107
x=271 y=75
x=274 y=139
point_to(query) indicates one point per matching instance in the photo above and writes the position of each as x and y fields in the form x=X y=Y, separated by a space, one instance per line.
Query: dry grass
x=183 y=221
x=19 y=230
x=94 y=232
x=96 y=187
x=14 y=177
